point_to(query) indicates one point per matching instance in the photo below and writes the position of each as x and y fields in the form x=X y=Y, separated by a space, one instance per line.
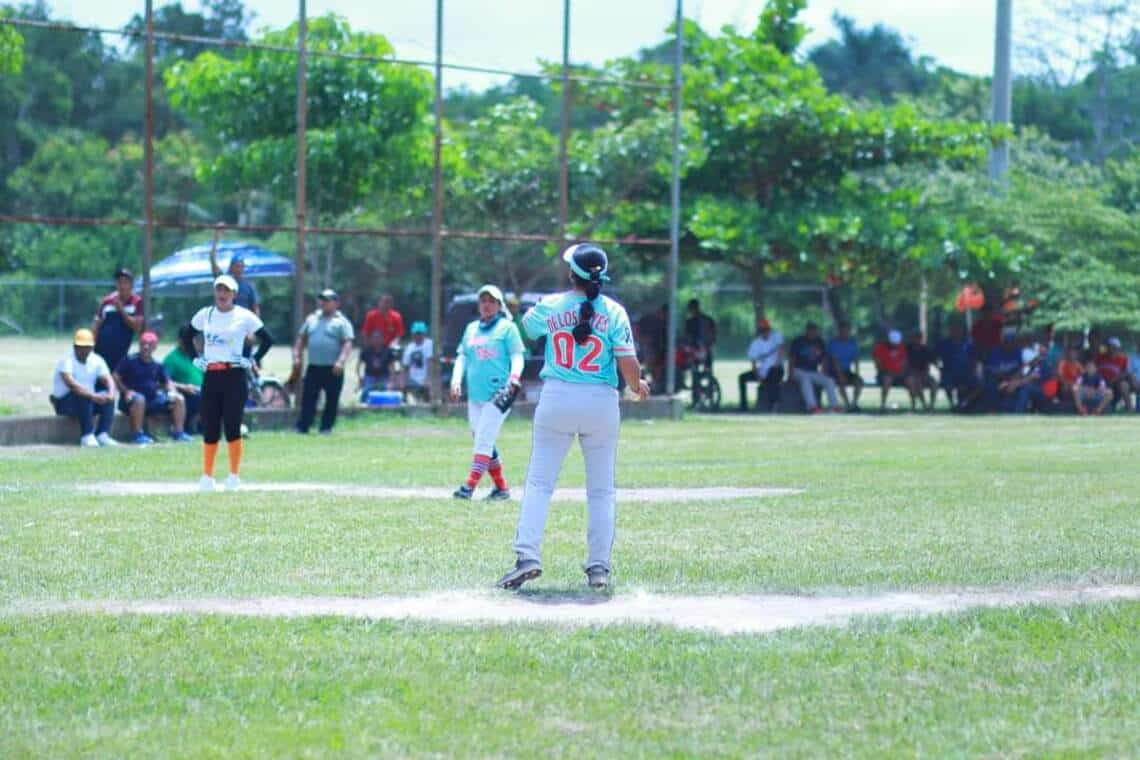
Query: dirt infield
x=719 y=614
x=428 y=492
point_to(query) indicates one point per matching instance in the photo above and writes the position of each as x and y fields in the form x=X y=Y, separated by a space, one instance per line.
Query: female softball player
x=588 y=341
x=224 y=328
x=490 y=356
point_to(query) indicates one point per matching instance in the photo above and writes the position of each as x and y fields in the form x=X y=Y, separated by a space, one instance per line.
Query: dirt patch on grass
x=719 y=614
x=433 y=492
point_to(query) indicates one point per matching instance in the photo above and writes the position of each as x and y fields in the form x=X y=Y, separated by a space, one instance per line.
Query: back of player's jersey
x=595 y=361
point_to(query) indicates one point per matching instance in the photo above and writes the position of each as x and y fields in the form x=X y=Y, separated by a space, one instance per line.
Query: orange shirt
x=1069 y=371
x=391 y=325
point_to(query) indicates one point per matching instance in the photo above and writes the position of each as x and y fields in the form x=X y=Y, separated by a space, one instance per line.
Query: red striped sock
x=479 y=465
x=496 y=471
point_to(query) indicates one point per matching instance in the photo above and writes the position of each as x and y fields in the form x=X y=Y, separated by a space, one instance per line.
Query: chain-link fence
x=310 y=140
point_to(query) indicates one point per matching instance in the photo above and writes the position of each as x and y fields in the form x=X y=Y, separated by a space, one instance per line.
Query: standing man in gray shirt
x=328 y=335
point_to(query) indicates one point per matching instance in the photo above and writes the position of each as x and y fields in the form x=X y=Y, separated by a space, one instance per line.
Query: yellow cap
x=83 y=337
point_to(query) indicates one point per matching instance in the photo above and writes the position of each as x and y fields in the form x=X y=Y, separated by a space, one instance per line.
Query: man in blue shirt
x=246 y=293
x=843 y=365
x=145 y=388
x=956 y=364
x=1002 y=365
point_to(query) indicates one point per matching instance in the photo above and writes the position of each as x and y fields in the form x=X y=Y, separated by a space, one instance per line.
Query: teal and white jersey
x=593 y=362
x=487 y=356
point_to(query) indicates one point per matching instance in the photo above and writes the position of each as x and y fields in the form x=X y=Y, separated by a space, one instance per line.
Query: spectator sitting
x=1026 y=386
x=1002 y=365
x=653 y=335
x=373 y=365
x=1091 y=388
x=145 y=388
x=955 y=355
x=81 y=388
x=766 y=353
x=1069 y=371
x=187 y=378
x=920 y=358
x=119 y=317
x=1113 y=367
x=807 y=356
x=843 y=365
x=417 y=354
x=385 y=320
x=891 y=367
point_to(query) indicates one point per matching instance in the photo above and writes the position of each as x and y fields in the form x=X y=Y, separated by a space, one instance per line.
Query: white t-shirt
x=224 y=332
x=765 y=352
x=84 y=373
x=415 y=358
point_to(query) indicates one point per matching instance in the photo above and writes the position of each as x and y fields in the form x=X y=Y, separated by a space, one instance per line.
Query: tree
x=11 y=49
x=874 y=64
x=366 y=120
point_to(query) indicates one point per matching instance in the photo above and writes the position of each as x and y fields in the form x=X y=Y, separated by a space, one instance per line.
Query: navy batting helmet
x=588 y=261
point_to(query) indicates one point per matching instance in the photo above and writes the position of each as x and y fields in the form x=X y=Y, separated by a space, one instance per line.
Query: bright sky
x=513 y=34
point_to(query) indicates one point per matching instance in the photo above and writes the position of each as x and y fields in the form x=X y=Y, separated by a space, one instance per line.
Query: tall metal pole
x=564 y=137
x=302 y=116
x=1002 y=88
x=675 y=214
x=437 y=212
x=148 y=162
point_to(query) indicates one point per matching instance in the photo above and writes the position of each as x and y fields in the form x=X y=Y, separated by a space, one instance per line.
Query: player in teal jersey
x=490 y=357
x=589 y=341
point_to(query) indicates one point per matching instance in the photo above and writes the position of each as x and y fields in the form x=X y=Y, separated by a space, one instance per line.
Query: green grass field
x=889 y=504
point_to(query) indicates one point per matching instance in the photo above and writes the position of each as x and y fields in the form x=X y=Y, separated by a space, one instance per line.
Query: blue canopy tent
x=183 y=270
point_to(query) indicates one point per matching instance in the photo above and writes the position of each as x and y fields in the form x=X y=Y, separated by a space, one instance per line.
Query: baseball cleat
x=499 y=494
x=524 y=570
x=597 y=577
x=206 y=484
x=464 y=492
x=233 y=482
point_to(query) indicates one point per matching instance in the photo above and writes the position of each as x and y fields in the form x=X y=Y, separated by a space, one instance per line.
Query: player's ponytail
x=583 y=330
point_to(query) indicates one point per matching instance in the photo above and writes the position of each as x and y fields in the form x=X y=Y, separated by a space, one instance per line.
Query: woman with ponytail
x=588 y=341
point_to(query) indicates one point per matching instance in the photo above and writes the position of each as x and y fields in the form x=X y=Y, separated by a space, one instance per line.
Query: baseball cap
x=419 y=328
x=225 y=281
x=124 y=272
x=148 y=337
x=894 y=336
x=84 y=338
x=763 y=324
x=328 y=294
x=237 y=258
x=1115 y=342
x=492 y=291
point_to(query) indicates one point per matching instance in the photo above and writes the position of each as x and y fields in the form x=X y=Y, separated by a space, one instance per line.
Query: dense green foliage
x=857 y=164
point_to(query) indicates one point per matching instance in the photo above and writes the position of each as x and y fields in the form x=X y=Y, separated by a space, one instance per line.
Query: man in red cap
x=145 y=388
x=766 y=353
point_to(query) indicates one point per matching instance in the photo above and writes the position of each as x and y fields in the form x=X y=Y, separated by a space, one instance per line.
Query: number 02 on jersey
x=566 y=351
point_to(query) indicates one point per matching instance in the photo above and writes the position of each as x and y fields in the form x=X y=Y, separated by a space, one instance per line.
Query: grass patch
x=890 y=504
x=1008 y=683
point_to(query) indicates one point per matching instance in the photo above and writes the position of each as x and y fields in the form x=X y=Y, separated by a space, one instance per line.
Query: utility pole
x=302 y=115
x=1003 y=88
x=437 y=396
x=148 y=164
x=564 y=135
x=675 y=208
